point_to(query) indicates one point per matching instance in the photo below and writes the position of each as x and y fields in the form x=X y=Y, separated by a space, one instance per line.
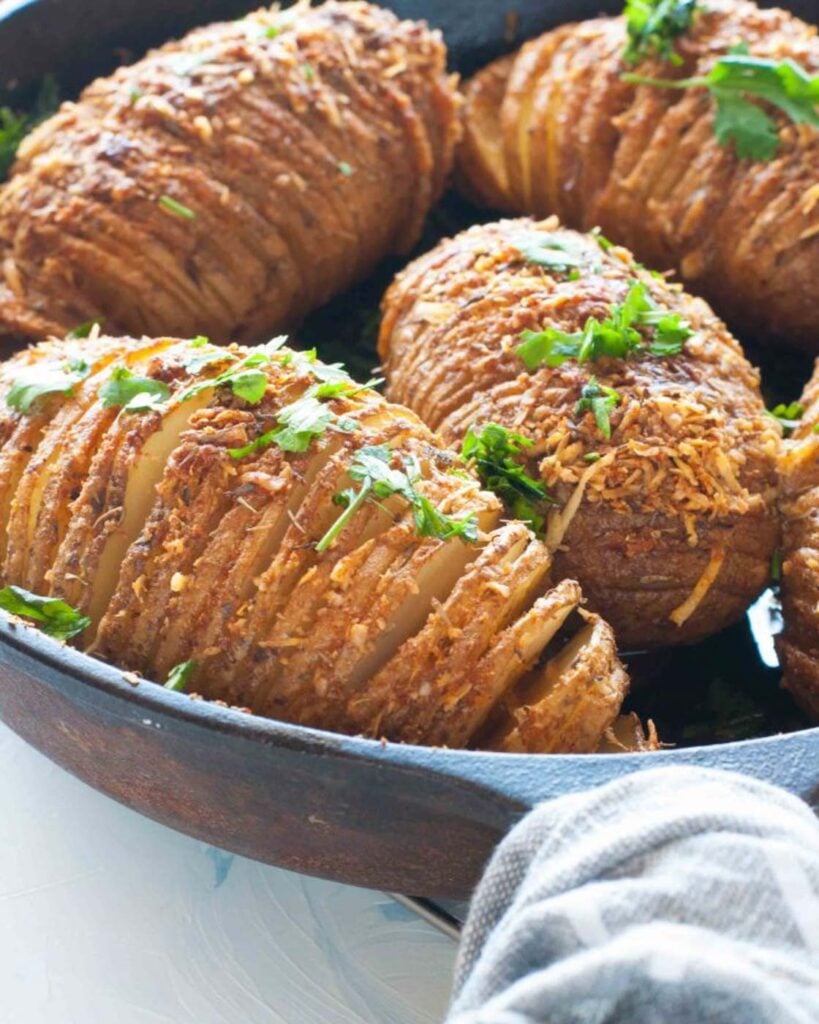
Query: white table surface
x=108 y=918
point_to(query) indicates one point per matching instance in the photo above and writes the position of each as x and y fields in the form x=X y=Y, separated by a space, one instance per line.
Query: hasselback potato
x=232 y=181
x=798 y=644
x=554 y=129
x=254 y=522
x=644 y=419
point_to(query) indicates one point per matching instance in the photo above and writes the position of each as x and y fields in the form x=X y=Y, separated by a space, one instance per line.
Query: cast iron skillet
x=395 y=817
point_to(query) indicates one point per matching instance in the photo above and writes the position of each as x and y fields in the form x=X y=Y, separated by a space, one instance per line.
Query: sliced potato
x=569 y=703
x=188 y=531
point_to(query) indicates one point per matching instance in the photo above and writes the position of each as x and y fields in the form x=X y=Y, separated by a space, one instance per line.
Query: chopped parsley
x=600 y=401
x=132 y=393
x=299 y=423
x=787 y=416
x=617 y=336
x=496 y=453
x=737 y=77
x=84 y=330
x=34 y=382
x=344 y=168
x=549 y=250
x=174 y=206
x=373 y=468
x=309 y=72
x=55 y=617
x=653 y=26
x=179 y=676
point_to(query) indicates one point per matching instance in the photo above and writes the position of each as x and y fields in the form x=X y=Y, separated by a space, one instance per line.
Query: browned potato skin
x=798 y=645
x=659 y=504
x=556 y=130
x=305 y=157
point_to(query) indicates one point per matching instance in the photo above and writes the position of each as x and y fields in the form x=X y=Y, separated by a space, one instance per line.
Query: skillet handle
x=520 y=782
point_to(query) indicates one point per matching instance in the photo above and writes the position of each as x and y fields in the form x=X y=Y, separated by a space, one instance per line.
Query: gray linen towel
x=670 y=896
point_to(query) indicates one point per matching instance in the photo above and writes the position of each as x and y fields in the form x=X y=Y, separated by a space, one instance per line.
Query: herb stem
x=348 y=513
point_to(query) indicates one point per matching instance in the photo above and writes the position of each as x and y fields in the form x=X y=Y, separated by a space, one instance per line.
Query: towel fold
x=669 y=896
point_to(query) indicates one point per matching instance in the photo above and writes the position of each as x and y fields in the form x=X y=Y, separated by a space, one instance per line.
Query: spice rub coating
x=669 y=523
x=232 y=181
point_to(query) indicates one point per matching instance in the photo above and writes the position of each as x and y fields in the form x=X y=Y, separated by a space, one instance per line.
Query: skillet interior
x=403 y=818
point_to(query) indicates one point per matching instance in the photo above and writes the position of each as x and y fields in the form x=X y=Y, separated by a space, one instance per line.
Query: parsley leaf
x=34 y=382
x=174 y=206
x=56 y=617
x=738 y=76
x=84 y=330
x=548 y=250
x=617 y=336
x=297 y=425
x=653 y=25
x=179 y=676
x=600 y=401
x=495 y=452
x=787 y=416
x=373 y=468
x=134 y=394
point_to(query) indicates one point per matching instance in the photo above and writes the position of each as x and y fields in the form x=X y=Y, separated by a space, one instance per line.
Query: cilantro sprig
x=617 y=336
x=496 y=454
x=600 y=401
x=787 y=415
x=55 y=617
x=84 y=330
x=734 y=82
x=180 y=675
x=303 y=420
x=654 y=25
x=551 y=251
x=382 y=473
x=36 y=382
x=133 y=393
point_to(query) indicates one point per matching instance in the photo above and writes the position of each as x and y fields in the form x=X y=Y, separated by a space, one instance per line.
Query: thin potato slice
x=627 y=734
x=119 y=489
x=569 y=703
x=40 y=509
x=432 y=673
x=373 y=600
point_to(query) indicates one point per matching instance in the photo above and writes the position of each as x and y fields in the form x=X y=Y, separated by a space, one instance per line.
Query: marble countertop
x=108 y=918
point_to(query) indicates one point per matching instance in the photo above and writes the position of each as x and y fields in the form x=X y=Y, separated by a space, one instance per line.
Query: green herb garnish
x=173 y=206
x=496 y=453
x=34 y=382
x=738 y=76
x=309 y=72
x=132 y=393
x=14 y=127
x=600 y=401
x=179 y=676
x=787 y=416
x=653 y=26
x=298 y=424
x=344 y=168
x=618 y=336
x=372 y=468
x=56 y=617
x=84 y=330
x=548 y=250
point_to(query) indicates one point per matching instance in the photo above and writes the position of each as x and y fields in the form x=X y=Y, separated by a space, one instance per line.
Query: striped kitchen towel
x=670 y=896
